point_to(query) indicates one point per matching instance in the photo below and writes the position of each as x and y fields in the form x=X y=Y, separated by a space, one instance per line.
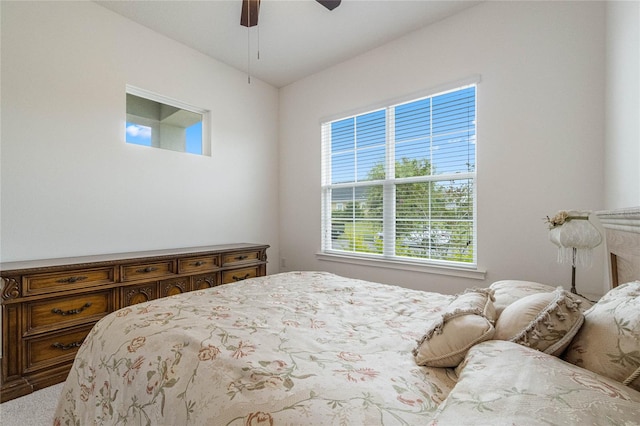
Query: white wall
x=72 y=186
x=540 y=132
x=622 y=155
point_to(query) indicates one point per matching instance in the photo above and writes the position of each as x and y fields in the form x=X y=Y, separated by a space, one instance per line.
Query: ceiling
x=295 y=38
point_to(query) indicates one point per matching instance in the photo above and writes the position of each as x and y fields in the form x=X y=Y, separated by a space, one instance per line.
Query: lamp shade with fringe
x=575 y=232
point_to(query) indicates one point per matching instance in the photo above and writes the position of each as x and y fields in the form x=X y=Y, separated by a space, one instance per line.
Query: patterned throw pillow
x=609 y=341
x=508 y=291
x=467 y=321
x=544 y=321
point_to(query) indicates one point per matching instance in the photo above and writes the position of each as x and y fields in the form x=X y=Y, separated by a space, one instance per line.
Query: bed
x=317 y=348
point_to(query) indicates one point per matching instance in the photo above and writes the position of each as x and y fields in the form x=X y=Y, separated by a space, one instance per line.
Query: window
x=155 y=121
x=398 y=183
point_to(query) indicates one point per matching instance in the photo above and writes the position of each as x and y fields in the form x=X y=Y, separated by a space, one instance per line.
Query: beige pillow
x=467 y=321
x=508 y=291
x=544 y=321
x=609 y=341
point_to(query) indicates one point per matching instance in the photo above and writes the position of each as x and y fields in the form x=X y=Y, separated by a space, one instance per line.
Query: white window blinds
x=399 y=182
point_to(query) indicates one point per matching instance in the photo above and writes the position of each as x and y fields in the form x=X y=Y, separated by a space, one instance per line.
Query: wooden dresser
x=49 y=306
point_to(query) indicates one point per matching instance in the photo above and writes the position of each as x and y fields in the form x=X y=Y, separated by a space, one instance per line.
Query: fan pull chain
x=249 y=25
x=248 y=43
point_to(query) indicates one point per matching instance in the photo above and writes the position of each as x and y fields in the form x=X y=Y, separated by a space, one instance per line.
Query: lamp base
x=574 y=291
x=573 y=278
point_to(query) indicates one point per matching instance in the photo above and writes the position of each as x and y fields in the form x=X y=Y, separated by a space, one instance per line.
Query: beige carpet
x=35 y=409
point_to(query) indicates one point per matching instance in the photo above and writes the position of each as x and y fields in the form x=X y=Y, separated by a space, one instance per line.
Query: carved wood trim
x=10 y=288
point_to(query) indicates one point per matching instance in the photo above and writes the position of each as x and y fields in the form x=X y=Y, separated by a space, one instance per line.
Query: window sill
x=470 y=272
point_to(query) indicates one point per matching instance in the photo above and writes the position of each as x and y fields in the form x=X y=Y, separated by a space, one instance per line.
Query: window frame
x=145 y=94
x=386 y=259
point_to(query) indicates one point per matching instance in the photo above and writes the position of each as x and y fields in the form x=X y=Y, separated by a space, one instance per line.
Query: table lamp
x=576 y=237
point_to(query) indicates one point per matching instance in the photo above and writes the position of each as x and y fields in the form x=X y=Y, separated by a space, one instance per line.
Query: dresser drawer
x=239 y=275
x=198 y=264
x=144 y=271
x=174 y=286
x=241 y=257
x=53 y=349
x=132 y=295
x=74 y=279
x=204 y=281
x=64 y=312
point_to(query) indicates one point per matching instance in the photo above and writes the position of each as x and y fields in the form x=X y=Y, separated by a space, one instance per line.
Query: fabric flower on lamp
x=576 y=237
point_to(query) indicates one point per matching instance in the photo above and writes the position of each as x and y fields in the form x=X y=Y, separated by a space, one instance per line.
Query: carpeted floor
x=35 y=409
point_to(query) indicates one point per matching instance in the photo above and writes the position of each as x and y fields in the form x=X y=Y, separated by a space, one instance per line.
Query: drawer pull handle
x=71 y=279
x=71 y=311
x=242 y=257
x=147 y=270
x=199 y=263
x=71 y=345
x=241 y=278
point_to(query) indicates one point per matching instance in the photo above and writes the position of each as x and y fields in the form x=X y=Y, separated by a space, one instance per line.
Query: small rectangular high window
x=156 y=121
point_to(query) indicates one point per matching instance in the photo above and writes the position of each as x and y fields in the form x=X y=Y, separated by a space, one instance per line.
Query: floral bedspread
x=292 y=348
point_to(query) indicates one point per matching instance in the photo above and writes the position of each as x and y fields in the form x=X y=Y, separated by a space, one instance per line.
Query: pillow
x=508 y=291
x=609 y=341
x=468 y=320
x=544 y=321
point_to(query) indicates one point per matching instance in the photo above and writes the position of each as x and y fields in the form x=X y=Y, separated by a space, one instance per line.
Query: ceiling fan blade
x=250 y=10
x=330 y=4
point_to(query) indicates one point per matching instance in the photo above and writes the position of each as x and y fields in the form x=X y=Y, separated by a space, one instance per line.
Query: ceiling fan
x=251 y=8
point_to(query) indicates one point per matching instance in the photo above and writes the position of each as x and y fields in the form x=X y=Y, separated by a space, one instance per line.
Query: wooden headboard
x=622 y=236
